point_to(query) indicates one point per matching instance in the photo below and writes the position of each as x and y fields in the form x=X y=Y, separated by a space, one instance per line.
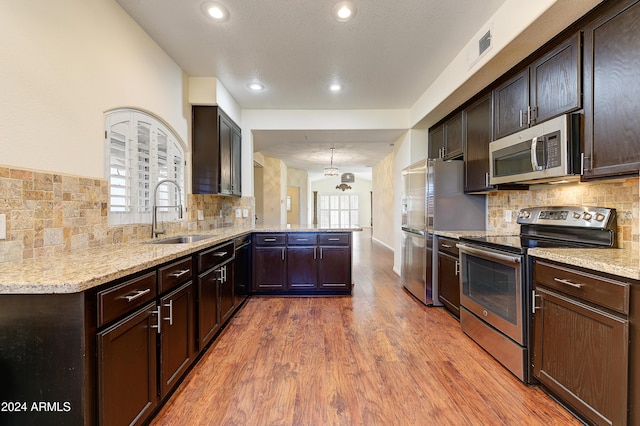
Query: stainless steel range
x=496 y=282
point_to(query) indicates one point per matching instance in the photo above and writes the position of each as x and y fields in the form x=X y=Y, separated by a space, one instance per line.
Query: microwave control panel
x=553 y=150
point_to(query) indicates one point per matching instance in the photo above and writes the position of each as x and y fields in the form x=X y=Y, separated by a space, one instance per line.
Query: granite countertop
x=79 y=271
x=615 y=261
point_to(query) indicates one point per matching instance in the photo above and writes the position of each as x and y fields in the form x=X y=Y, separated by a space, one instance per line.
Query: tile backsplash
x=619 y=194
x=51 y=213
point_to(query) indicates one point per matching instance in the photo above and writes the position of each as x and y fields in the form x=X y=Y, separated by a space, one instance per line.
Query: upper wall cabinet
x=549 y=87
x=445 y=141
x=612 y=91
x=478 y=133
x=216 y=155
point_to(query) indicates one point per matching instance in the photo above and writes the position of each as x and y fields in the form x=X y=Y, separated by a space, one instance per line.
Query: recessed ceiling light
x=255 y=86
x=344 y=11
x=335 y=87
x=215 y=11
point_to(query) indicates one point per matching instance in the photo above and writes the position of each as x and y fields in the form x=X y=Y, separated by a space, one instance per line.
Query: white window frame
x=140 y=151
x=339 y=210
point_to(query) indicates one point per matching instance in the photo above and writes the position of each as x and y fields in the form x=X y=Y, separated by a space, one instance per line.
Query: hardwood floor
x=376 y=358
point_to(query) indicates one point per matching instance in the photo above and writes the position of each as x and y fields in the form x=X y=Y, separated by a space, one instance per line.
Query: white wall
x=63 y=65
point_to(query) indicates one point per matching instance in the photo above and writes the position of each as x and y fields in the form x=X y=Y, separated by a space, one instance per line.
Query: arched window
x=140 y=151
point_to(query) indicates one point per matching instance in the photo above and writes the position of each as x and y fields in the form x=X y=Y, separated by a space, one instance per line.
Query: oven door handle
x=489 y=254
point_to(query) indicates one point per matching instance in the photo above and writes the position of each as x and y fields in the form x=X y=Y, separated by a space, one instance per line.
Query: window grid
x=140 y=152
x=339 y=211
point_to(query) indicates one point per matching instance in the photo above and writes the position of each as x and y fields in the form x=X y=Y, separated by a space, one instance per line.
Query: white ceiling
x=385 y=57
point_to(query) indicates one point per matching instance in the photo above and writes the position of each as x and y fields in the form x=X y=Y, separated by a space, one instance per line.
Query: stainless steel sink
x=182 y=239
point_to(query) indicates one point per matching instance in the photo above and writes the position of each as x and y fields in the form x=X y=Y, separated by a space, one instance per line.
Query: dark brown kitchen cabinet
x=581 y=340
x=177 y=336
x=477 y=134
x=511 y=101
x=216 y=159
x=445 y=140
x=611 y=92
x=269 y=262
x=436 y=141
x=302 y=255
x=302 y=263
x=448 y=275
x=452 y=137
x=127 y=359
x=549 y=87
x=215 y=290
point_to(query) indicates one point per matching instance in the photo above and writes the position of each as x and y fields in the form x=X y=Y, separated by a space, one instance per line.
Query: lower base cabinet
x=581 y=341
x=449 y=275
x=302 y=263
x=127 y=370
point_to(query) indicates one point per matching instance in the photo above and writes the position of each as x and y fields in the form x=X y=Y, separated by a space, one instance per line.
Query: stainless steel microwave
x=548 y=151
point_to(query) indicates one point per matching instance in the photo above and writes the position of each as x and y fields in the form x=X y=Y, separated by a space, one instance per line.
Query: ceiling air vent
x=476 y=51
x=484 y=43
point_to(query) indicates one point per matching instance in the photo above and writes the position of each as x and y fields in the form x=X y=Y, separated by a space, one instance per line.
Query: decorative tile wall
x=50 y=213
x=621 y=195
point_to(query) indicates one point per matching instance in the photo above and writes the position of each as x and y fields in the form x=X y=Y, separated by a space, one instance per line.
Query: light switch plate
x=238 y=213
x=3 y=226
x=245 y=212
x=200 y=215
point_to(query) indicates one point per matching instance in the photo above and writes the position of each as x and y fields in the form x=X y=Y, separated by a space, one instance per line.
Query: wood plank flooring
x=376 y=358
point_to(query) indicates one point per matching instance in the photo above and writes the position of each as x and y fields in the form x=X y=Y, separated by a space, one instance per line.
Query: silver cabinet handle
x=521 y=120
x=269 y=240
x=333 y=239
x=320 y=253
x=301 y=239
x=224 y=274
x=314 y=253
x=220 y=253
x=457 y=267
x=446 y=246
x=569 y=283
x=283 y=254
x=534 y=308
x=179 y=273
x=486 y=179
x=170 y=306
x=528 y=114
x=137 y=295
x=158 y=313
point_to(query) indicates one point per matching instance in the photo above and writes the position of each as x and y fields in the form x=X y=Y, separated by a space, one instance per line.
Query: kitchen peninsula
x=105 y=334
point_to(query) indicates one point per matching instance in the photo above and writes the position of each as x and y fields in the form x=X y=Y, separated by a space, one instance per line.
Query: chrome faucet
x=154 y=221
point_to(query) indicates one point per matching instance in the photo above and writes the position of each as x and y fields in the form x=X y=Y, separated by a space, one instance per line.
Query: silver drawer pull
x=220 y=254
x=269 y=240
x=333 y=239
x=447 y=246
x=180 y=273
x=569 y=283
x=137 y=294
x=301 y=239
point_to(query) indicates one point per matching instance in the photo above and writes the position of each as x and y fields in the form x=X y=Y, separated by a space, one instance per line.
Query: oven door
x=491 y=287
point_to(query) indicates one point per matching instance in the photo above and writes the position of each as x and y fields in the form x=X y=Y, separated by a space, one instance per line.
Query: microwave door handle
x=534 y=155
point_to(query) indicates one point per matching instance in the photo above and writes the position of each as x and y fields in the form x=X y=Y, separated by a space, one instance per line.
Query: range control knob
x=599 y=217
x=576 y=215
x=525 y=214
x=587 y=216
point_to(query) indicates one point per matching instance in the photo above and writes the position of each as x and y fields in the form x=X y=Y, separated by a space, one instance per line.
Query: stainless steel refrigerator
x=433 y=199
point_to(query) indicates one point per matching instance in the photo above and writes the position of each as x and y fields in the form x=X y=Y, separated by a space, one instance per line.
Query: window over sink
x=140 y=151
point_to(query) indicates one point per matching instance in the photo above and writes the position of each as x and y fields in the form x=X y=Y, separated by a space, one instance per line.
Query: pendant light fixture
x=331 y=171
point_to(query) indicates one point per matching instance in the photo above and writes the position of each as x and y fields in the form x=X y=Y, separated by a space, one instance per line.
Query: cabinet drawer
x=602 y=291
x=447 y=245
x=123 y=298
x=302 y=239
x=215 y=256
x=239 y=241
x=270 y=239
x=334 y=239
x=175 y=274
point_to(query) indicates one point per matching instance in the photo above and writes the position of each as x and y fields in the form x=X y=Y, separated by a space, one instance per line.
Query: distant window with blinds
x=140 y=151
x=339 y=211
